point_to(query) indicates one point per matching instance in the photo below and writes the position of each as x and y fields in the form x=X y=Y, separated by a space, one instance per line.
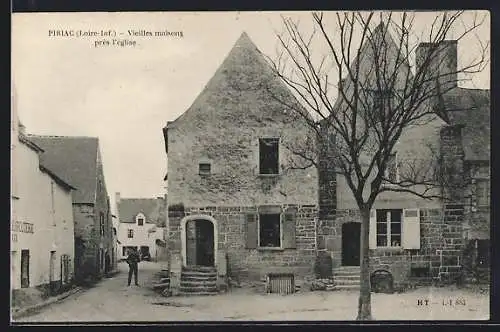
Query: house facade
x=239 y=203
x=412 y=238
x=42 y=226
x=78 y=159
x=141 y=226
x=235 y=200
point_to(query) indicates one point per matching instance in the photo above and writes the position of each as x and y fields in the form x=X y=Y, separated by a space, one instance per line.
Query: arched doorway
x=199 y=241
x=351 y=232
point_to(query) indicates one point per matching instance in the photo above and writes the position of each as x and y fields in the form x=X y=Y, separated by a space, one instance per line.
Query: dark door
x=351 y=244
x=204 y=243
x=25 y=268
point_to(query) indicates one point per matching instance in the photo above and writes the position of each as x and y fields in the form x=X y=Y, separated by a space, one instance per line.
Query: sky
x=125 y=95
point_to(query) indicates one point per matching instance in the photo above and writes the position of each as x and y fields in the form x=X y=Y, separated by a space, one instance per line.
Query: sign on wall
x=23 y=227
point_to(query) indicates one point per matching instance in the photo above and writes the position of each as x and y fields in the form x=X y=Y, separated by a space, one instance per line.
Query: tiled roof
x=471 y=108
x=152 y=208
x=74 y=160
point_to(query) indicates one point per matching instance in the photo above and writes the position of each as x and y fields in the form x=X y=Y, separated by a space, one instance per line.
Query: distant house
x=141 y=225
x=78 y=160
x=42 y=226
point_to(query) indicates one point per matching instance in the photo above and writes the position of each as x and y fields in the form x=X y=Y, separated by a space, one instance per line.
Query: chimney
x=117 y=198
x=442 y=63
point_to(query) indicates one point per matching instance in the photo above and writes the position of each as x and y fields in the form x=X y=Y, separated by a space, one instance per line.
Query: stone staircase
x=346 y=277
x=199 y=280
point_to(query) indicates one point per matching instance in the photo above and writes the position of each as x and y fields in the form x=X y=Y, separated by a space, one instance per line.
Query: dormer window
x=140 y=219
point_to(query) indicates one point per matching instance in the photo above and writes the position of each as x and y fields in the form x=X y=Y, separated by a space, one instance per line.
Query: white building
x=141 y=226
x=42 y=227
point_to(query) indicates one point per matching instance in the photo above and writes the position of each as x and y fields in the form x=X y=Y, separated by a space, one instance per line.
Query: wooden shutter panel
x=288 y=224
x=252 y=230
x=410 y=229
x=373 y=230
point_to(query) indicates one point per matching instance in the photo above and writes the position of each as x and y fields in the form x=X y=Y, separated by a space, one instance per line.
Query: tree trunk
x=364 y=304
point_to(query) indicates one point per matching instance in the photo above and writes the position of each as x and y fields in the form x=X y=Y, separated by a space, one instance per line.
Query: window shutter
x=373 y=230
x=411 y=229
x=288 y=224
x=252 y=231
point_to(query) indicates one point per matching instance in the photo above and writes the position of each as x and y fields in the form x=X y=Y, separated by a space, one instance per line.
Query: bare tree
x=379 y=97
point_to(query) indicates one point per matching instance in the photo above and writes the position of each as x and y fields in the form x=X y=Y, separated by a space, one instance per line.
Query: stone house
x=78 y=160
x=412 y=237
x=42 y=236
x=141 y=225
x=238 y=202
x=234 y=202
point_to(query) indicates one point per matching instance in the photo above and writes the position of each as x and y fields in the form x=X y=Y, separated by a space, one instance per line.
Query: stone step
x=189 y=277
x=181 y=293
x=185 y=283
x=347 y=282
x=347 y=268
x=346 y=277
x=347 y=287
x=195 y=268
x=202 y=289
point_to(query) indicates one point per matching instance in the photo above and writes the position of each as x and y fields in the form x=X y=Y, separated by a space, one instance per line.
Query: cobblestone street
x=112 y=301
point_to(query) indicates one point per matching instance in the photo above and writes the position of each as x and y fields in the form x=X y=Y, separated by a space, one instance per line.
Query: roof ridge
x=61 y=136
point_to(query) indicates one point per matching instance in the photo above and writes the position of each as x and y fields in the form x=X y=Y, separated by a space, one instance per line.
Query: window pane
x=269 y=230
x=395 y=228
x=381 y=228
x=483 y=192
x=381 y=240
x=395 y=240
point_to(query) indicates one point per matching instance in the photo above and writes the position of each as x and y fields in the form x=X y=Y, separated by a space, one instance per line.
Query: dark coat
x=133 y=258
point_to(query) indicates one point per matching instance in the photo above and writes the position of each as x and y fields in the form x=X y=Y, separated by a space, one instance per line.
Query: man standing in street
x=133 y=260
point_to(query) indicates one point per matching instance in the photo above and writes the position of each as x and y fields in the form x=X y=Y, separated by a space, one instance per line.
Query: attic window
x=140 y=219
x=269 y=155
x=204 y=169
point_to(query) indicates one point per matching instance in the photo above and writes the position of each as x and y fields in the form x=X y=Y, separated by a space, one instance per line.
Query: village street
x=112 y=301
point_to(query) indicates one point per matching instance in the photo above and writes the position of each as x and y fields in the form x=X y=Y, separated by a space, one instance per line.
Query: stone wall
x=86 y=230
x=252 y=264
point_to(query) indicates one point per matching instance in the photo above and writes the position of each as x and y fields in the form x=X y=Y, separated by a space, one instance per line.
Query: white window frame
x=281 y=232
x=130 y=231
x=389 y=235
x=140 y=216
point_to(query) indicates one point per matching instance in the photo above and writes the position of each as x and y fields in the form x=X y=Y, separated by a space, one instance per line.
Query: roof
x=74 y=160
x=152 y=208
x=471 y=108
x=244 y=70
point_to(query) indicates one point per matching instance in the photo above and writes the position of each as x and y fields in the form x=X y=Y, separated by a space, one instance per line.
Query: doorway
x=351 y=232
x=200 y=242
x=25 y=268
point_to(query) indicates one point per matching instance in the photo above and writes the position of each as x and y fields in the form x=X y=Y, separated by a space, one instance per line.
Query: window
x=269 y=230
x=101 y=223
x=392 y=170
x=269 y=155
x=389 y=228
x=483 y=192
x=204 y=169
x=381 y=99
x=130 y=234
x=483 y=253
x=140 y=221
